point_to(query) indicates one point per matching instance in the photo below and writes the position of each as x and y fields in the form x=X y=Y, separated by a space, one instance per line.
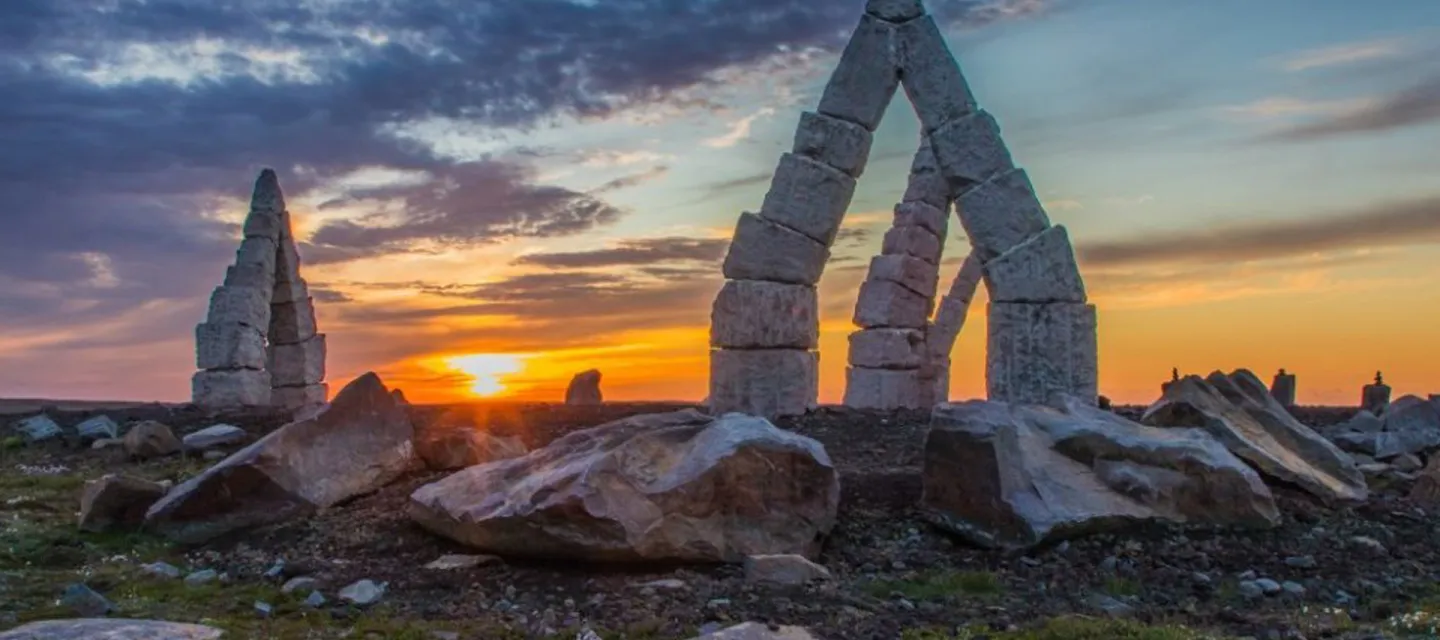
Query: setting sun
x=487 y=369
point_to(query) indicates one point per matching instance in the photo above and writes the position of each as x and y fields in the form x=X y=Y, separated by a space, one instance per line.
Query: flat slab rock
x=757 y=631
x=658 y=487
x=358 y=443
x=1239 y=411
x=1014 y=476
x=1411 y=425
x=110 y=629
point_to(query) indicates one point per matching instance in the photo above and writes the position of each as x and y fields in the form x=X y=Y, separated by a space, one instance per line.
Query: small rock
x=116 y=500
x=668 y=584
x=264 y=609
x=202 y=577
x=1251 y=589
x=150 y=439
x=363 y=593
x=1369 y=544
x=456 y=561
x=1292 y=588
x=85 y=601
x=783 y=570
x=161 y=569
x=1407 y=462
x=276 y=570
x=105 y=443
x=96 y=428
x=315 y=600
x=1247 y=575
x=301 y=584
x=1201 y=579
x=1110 y=606
x=219 y=435
x=1270 y=587
x=213 y=455
x=1301 y=562
x=38 y=428
x=1109 y=564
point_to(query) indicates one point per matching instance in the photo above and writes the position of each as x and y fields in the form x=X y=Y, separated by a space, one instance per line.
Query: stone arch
x=258 y=345
x=764 y=322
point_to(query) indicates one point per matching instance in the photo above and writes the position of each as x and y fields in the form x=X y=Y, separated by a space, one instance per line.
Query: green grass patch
x=1069 y=628
x=939 y=585
x=1117 y=586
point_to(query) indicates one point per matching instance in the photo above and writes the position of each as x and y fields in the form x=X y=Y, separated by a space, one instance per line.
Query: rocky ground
x=1365 y=572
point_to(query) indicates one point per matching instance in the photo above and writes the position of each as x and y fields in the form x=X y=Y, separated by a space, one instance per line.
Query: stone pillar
x=889 y=364
x=296 y=355
x=1375 y=398
x=1282 y=389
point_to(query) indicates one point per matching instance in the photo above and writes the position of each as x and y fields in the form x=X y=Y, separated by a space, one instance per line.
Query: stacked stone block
x=258 y=345
x=949 y=320
x=889 y=363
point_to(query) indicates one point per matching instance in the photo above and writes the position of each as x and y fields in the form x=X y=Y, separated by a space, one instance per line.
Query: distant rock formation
x=584 y=389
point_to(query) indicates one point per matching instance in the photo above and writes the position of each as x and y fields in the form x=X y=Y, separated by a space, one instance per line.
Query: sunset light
x=487 y=371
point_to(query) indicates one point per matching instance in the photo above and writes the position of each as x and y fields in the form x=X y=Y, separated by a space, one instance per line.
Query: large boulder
x=111 y=629
x=1411 y=425
x=358 y=443
x=151 y=439
x=114 y=500
x=455 y=442
x=1238 y=410
x=584 y=389
x=678 y=486
x=1014 y=476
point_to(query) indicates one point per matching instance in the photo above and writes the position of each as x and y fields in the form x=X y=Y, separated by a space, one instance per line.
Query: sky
x=494 y=195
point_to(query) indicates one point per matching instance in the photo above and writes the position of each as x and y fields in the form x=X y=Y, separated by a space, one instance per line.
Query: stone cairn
x=258 y=345
x=1375 y=398
x=1282 y=389
x=764 y=325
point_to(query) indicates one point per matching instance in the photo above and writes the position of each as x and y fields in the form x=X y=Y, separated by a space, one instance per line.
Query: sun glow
x=487 y=369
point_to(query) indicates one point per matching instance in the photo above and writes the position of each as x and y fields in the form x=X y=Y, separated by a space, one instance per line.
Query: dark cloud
x=330 y=296
x=646 y=251
x=632 y=180
x=1418 y=104
x=1391 y=224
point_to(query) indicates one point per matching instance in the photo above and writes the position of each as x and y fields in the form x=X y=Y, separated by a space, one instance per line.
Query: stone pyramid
x=764 y=323
x=258 y=345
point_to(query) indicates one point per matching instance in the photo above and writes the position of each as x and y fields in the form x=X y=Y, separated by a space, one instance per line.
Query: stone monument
x=258 y=345
x=584 y=389
x=1283 y=389
x=764 y=327
x=1375 y=398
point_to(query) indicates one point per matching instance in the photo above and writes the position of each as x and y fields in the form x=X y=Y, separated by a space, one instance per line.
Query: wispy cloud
x=632 y=180
x=1286 y=107
x=1418 y=104
x=1348 y=53
x=640 y=251
x=739 y=130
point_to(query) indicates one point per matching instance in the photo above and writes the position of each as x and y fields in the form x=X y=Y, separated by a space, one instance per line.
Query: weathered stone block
x=243 y=305
x=249 y=274
x=754 y=314
x=886 y=389
x=262 y=224
x=930 y=75
x=259 y=251
x=296 y=365
x=838 y=143
x=895 y=10
x=292 y=322
x=233 y=388
x=294 y=398
x=913 y=241
x=1041 y=269
x=763 y=250
x=866 y=77
x=970 y=151
x=1036 y=350
x=289 y=291
x=809 y=197
x=887 y=304
x=287 y=259
x=763 y=382
x=942 y=333
x=912 y=273
x=229 y=346
x=923 y=215
x=926 y=184
x=887 y=348
x=1283 y=389
x=1001 y=213
x=967 y=279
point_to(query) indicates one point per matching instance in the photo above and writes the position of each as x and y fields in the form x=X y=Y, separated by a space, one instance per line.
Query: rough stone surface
x=883 y=304
x=1237 y=409
x=114 y=500
x=758 y=631
x=895 y=10
x=954 y=308
x=242 y=305
x=763 y=382
x=289 y=292
x=296 y=398
x=914 y=274
x=887 y=348
x=809 y=197
x=865 y=79
x=658 y=487
x=834 y=142
x=1015 y=476
x=249 y=275
x=237 y=388
x=1426 y=490
x=445 y=446
x=97 y=428
x=753 y=314
x=297 y=365
x=1036 y=350
x=1410 y=425
x=784 y=570
x=1282 y=388
x=229 y=346
x=930 y=75
x=584 y=389
x=1375 y=398
x=214 y=436
x=763 y=250
x=151 y=439
x=259 y=252
x=924 y=215
x=1040 y=269
x=262 y=224
x=292 y=322
x=1001 y=213
x=926 y=184
x=359 y=442
x=969 y=151
x=886 y=389
x=110 y=629
x=916 y=242
x=287 y=258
